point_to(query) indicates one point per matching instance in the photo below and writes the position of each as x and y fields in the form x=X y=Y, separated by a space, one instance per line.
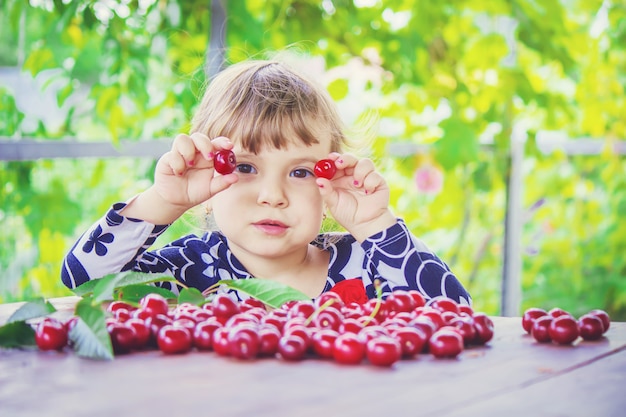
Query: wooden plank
x=595 y=389
x=197 y=383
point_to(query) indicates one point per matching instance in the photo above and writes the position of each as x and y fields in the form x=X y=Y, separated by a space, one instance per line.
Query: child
x=270 y=210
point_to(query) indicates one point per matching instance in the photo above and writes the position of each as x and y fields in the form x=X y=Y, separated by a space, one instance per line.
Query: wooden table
x=511 y=376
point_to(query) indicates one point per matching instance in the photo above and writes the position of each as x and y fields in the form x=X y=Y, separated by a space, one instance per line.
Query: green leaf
x=16 y=335
x=105 y=287
x=90 y=337
x=31 y=310
x=273 y=294
x=135 y=292
x=192 y=296
x=122 y=279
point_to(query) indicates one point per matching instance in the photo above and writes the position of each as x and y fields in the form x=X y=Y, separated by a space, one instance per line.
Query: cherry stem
x=379 y=301
x=213 y=288
x=316 y=313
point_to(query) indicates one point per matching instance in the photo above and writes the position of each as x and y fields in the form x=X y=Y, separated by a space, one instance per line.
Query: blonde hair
x=259 y=103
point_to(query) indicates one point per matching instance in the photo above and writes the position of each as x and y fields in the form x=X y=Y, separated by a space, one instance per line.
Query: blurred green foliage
x=449 y=81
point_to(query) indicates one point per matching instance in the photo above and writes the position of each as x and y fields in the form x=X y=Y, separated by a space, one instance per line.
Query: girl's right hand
x=184 y=176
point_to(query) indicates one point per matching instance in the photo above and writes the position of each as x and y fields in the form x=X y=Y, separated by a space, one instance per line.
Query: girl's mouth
x=271 y=227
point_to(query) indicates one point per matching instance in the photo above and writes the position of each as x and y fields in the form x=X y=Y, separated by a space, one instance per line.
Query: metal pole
x=512 y=269
x=217 y=39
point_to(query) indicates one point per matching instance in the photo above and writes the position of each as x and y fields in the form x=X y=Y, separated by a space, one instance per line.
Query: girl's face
x=275 y=209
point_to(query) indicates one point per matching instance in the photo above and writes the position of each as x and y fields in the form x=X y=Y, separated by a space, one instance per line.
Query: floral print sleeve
x=111 y=245
x=401 y=261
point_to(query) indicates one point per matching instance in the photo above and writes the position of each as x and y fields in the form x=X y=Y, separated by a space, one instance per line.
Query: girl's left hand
x=357 y=196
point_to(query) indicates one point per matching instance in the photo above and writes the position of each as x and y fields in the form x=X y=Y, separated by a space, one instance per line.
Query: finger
x=222 y=182
x=327 y=191
x=185 y=147
x=372 y=182
x=175 y=162
x=203 y=145
x=363 y=168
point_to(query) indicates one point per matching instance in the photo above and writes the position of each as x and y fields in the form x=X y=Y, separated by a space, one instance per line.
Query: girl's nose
x=272 y=193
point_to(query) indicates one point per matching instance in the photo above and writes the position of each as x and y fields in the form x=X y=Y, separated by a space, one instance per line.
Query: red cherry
x=465 y=326
x=224 y=161
x=539 y=329
x=351 y=325
x=304 y=309
x=122 y=336
x=400 y=301
x=443 y=303
x=323 y=342
x=115 y=305
x=349 y=349
x=465 y=309
x=418 y=298
x=434 y=315
x=243 y=342
x=220 y=341
x=383 y=351
x=301 y=331
x=155 y=323
x=153 y=304
x=203 y=333
x=564 y=329
x=530 y=315
x=224 y=307
x=329 y=318
x=174 y=339
x=556 y=312
x=412 y=340
x=604 y=316
x=291 y=347
x=370 y=332
x=269 y=336
x=71 y=323
x=590 y=327
x=445 y=343
x=250 y=303
x=325 y=168
x=484 y=328
x=142 y=332
x=51 y=334
x=329 y=298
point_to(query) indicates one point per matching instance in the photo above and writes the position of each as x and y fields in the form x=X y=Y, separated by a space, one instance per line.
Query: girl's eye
x=245 y=169
x=301 y=173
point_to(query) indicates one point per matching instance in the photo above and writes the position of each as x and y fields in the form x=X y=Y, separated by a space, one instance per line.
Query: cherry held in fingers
x=325 y=168
x=224 y=161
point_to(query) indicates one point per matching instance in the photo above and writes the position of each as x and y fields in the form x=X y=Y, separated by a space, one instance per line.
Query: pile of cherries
x=380 y=332
x=562 y=328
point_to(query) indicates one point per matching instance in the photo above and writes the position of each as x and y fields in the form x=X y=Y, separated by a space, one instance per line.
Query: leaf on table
x=272 y=293
x=135 y=292
x=32 y=309
x=89 y=336
x=192 y=296
x=16 y=335
x=120 y=279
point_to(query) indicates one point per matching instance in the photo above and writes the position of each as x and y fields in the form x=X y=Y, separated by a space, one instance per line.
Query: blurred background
x=501 y=125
